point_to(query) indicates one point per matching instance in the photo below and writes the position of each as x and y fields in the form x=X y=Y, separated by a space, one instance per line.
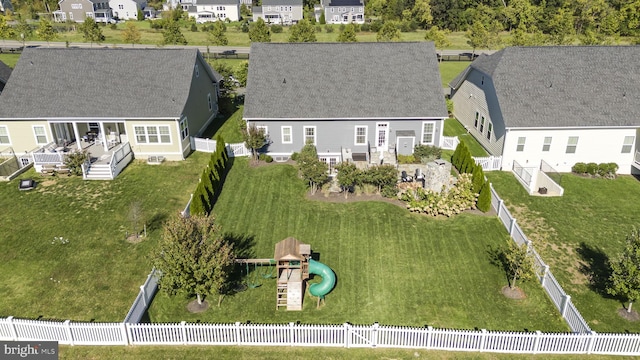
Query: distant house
x=5 y=5
x=279 y=11
x=344 y=11
x=127 y=9
x=148 y=100
x=213 y=10
x=79 y=10
x=560 y=104
x=384 y=100
x=5 y=72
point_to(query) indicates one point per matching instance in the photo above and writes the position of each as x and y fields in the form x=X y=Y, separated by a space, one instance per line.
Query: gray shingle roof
x=281 y=2
x=563 y=86
x=116 y=83
x=345 y=3
x=218 y=2
x=343 y=80
x=5 y=72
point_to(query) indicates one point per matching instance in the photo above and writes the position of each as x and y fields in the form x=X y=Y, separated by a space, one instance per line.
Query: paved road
x=203 y=49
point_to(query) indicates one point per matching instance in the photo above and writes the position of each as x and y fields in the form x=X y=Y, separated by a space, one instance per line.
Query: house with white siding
x=213 y=10
x=557 y=104
x=127 y=9
x=284 y=12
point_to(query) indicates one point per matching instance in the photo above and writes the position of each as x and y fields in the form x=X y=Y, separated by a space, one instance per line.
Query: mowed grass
x=450 y=69
x=393 y=267
x=452 y=127
x=10 y=59
x=97 y=274
x=577 y=234
x=291 y=353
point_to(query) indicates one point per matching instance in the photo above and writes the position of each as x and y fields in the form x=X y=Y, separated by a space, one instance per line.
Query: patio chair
x=405 y=177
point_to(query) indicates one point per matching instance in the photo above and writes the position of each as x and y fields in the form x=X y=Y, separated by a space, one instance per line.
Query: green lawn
x=393 y=267
x=577 y=234
x=452 y=127
x=10 y=59
x=290 y=353
x=97 y=274
x=450 y=69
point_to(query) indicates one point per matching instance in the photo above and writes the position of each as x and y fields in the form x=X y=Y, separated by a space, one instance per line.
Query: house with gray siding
x=284 y=12
x=149 y=100
x=79 y=10
x=344 y=11
x=557 y=104
x=354 y=101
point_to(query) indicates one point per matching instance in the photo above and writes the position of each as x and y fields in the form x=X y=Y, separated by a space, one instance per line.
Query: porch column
x=103 y=137
x=77 y=135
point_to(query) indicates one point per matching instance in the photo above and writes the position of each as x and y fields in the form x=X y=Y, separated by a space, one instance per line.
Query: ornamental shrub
x=426 y=151
x=448 y=203
x=407 y=159
x=477 y=179
x=484 y=199
x=579 y=168
x=592 y=168
x=197 y=203
x=276 y=29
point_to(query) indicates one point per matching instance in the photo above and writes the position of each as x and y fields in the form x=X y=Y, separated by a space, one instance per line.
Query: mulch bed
x=629 y=316
x=515 y=293
x=194 y=307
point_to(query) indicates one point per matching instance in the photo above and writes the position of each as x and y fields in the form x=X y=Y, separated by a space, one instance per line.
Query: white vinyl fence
x=489 y=163
x=449 y=142
x=560 y=299
x=345 y=335
x=208 y=145
x=143 y=300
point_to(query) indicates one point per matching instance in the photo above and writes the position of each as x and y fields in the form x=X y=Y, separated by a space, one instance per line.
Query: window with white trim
x=521 y=141
x=475 y=122
x=361 y=135
x=40 y=134
x=546 y=145
x=481 y=125
x=627 y=145
x=489 y=131
x=309 y=135
x=152 y=134
x=572 y=144
x=209 y=101
x=4 y=135
x=286 y=135
x=184 y=128
x=428 y=132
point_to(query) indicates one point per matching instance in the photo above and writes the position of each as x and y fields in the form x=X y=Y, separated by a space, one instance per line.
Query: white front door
x=382 y=136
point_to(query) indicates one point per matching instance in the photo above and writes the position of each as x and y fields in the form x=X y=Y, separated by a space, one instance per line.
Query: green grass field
x=10 y=59
x=452 y=127
x=97 y=274
x=450 y=69
x=393 y=267
x=577 y=234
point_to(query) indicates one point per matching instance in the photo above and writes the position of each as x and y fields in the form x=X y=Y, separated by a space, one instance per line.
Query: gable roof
x=5 y=72
x=343 y=80
x=120 y=83
x=563 y=86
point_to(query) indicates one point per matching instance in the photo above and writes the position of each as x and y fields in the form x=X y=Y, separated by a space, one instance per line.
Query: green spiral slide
x=328 y=279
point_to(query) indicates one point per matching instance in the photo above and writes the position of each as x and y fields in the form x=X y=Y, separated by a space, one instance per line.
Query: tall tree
x=421 y=12
x=242 y=72
x=388 y=32
x=171 y=35
x=131 y=34
x=254 y=138
x=439 y=37
x=259 y=31
x=348 y=34
x=194 y=257
x=46 y=31
x=625 y=275
x=90 y=31
x=23 y=31
x=477 y=36
x=217 y=35
x=303 y=31
x=560 y=27
x=311 y=168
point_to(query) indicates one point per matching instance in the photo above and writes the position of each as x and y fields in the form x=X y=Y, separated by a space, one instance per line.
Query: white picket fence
x=292 y=334
x=560 y=299
x=449 y=142
x=489 y=163
x=209 y=145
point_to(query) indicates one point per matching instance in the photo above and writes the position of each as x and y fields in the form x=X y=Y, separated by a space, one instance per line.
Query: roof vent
x=284 y=81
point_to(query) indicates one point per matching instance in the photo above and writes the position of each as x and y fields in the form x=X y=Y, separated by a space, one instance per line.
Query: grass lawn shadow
x=595 y=266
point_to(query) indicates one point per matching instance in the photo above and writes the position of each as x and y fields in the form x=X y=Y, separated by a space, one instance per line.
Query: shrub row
x=211 y=181
x=383 y=177
x=464 y=162
x=265 y=158
x=606 y=170
x=458 y=198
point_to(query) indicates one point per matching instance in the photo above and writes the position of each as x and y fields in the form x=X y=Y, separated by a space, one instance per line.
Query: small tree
x=91 y=32
x=199 y=203
x=259 y=31
x=255 y=138
x=74 y=161
x=625 y=275
x=303 y=31
x=171 y=35
x=217 y=34
x=478 y=179
x=323 y=19
x=194 y=257
x=348 y=34
x=241 y=73
x=6 y=31
x=46 y=31
x=388 y=32
x=140 y=15
x=348 y=176
x=518 y=263
x=311 y=168
x=136 y=215
x=478 y=36
x=131 y=34
x=382 y=176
